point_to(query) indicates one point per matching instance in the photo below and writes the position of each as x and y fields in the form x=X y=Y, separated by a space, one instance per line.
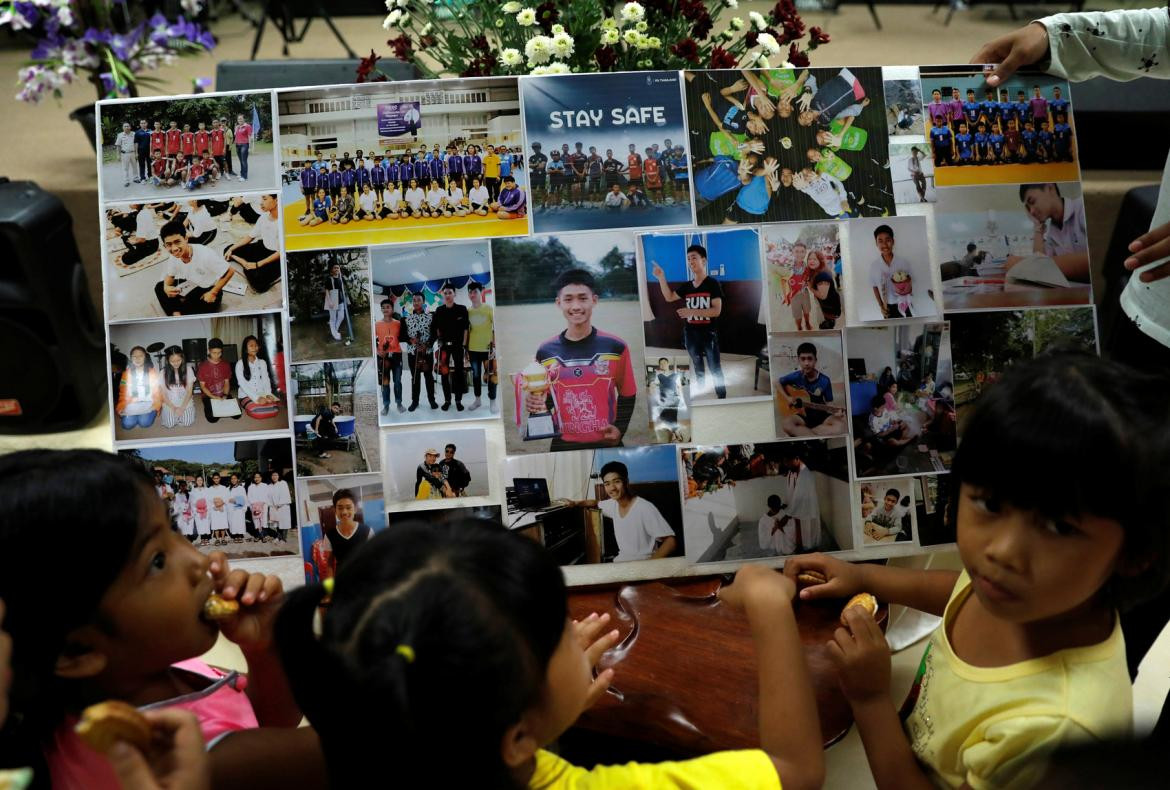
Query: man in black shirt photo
x=452 y=324
x=420 y=336
x=537 y=162
x=454 y=471
x=703 y=302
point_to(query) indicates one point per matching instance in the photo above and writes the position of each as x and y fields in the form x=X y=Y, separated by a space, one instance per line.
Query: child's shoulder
x=748 y=769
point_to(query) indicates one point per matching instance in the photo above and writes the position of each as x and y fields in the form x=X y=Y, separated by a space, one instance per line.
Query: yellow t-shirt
x=987 y=726
x=479 y=337
x=749 y=769
x=491 y=166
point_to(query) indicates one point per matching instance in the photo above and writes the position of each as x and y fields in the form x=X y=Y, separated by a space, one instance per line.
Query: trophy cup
x=534 y=379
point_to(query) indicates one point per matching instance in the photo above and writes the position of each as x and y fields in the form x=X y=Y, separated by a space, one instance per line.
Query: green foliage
x=992 y=342
x=308 y=272
x=526 y=268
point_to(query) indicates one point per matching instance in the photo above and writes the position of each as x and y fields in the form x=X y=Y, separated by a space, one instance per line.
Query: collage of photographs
x=537 y=295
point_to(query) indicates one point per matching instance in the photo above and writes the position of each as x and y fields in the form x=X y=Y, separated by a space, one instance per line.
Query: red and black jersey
x=195 y=170
x=174 y=136
x=159 y=167
x=188 y=143
x=216 y=142
x=158 y=141
x=207 y=163
x=587 y=377
x=201 y=141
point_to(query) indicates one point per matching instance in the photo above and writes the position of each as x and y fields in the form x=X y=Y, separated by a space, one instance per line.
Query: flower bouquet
x=490 y=37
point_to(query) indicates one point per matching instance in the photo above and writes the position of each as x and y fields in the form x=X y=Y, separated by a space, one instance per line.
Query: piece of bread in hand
x=811 y=577
x=862 y=600
x=217 y=608
x=106 y=723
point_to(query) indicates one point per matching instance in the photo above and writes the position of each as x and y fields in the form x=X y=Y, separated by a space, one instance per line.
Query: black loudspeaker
x=53 y=369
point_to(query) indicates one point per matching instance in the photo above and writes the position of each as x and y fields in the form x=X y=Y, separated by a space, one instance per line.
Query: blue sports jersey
x=436 y=168
x=819 y=391
x=321 y=207
x=964 y=142
x=455 y=165
x=505 y=166
x=347 y=179
x=753 y=197
x=308 y=178
x=981 y=139
x=718 y=179
x=1045 y=139
x=996 y=142
x=377 y=175
x=1007 y=110
x=422 y=169
x=972 y=109
x=586 y=379
x=1061 y=135
x=472 y=165
x=989 y=108
x=1058 y=106
x=1029 y=140
x=362 y=176
x=940 y=136
x=335 y=179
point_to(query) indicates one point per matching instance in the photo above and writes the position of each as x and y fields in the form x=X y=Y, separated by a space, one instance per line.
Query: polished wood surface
x=686 y=670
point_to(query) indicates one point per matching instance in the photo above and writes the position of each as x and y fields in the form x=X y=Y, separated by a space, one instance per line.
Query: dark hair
x=574 y=277
x=876 y=400
x=40 y=616
x=699 y=248
x=774 y=502
x=1025 y=188
x=450 y=447
x=883 y=229
x=147 y=366
x=343 y=493
x=474 y=285
x=387 y=301
x=618 y=468
x=664 y=359
x=260 y=355
x=806 y=348
x=970 y=247
x=895 y=493
x=170 y=377
x=1103 y=430
x=173 y=228
x=215 y=342
x=425 y=620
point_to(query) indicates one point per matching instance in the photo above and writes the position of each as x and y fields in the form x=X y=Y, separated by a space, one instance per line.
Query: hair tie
x=407 y=653
x=328 y=585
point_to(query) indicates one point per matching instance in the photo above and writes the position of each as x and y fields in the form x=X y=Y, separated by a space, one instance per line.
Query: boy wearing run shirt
x=972 y=109
x=1044 y=143
x=1028 y=140
x=1011 y=142
x=592 y=387
x=995 y=143
x=634 y=165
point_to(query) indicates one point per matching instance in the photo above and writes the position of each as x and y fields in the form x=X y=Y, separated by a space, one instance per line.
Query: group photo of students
x=170 y=148
x=386 y=167
x=215 y=255
x=198 y=376
x=776 y=145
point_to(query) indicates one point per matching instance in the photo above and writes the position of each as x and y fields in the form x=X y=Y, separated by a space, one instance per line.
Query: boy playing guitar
x=804 y=399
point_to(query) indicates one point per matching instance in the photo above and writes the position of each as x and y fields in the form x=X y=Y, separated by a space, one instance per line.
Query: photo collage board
x=660 y=322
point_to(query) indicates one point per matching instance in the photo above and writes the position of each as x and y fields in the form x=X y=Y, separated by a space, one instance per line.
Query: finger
x=1155 y=234
x=844 y=639
x=589 y=629
x=272 y=590
x=855 y=618
x=595 y=651
x=1155 y=273
x=233 y=583
x=1146 y=250
x=836 y=654
x=598 y=687
x=250 y=590
x=833 y=588
x=131 y=768
x=218 y=566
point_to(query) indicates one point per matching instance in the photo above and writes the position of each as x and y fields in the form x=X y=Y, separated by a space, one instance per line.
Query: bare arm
x=665 y=548
x=268 y=757
x=668 y=293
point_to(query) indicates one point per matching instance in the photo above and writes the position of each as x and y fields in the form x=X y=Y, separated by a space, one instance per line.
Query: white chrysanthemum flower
x=642 y=26
x=758 y=20
x=609 y=23
x=391 y=19
x=511 y=7
x=731 y=3
x=538 y=50
x=558 y=29
x=391 y=5
x=562 y=45
x=762 y=61
x=511 y=57
x=427 y=29
x=631 y=37
x=526 y=17
x=499 y=21
x=404 y=20
x=736 y=23
x=633 y=12
x=557 y=68
x=769 y=42
x=539 y=71
x=727 y=35
x=654 y=42
x=610 y=36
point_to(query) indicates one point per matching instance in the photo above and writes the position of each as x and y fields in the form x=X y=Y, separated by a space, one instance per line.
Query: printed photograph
x=932 y=502
x=901 y=398
x=886 y=511
x=1012 y=246
x=329 y=304
x=987 y=344
x=336 y=419
x=477 y=514
x=216 y=255
x=391 y=162
x=702 y=295
x=890 y=271
x=594 y=506
x=198 y=377
x=912 y=168
x=571 y=333
x=808 y=384
x=181 y=148
x=234 y=497
x=749 y=501
x=804 y=277
x=438 y=463
x=434 y=332
x=1015 y=133
x=338 y=514
x=606 y=151
x=668 y=391
x=778 y=145
x=903 y=94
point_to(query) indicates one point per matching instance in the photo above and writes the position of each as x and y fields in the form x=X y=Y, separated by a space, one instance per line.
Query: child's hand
x=178 y=758
x=586 y=632
x=1013 y=51
x=1149 y=248
x=260 y=596
x=754 y=584
x=843 y=579
x=862 y=657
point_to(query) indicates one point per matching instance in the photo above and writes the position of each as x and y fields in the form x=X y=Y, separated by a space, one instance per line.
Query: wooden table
x=1022 y=296
x=686 y=679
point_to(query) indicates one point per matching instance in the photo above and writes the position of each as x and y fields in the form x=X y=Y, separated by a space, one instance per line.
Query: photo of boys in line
x=1020 y=131
x=702 y=295
x=890 y=270
x=437 y=464
x=901 y=398
x=199 y=376
x=904 y=113
x=170 y=148
x=748 y=501
x=606 y=151
x=808 y=384
x=338 y=514
x=329 y=304
x=336 y=419
x=804 y=277
x=777 y=145
x=216 y=256
x=392 y=162
x=571 y=333
x=912 y=168
x=668 y=389
x=434 y=335
x=234 y=497
x=986 y=344
x=1013 y=246
x=598 y=506
x=886 y=510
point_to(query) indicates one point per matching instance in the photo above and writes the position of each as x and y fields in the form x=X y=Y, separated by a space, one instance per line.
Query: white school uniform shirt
x=393 y=198
x=435 y=197
x=784 y=539
x=204 y=268
x=456 y=195
x=259 y=498
x=258 y=385
x=366 y=201
x=638 y=530
x=879 y=276
x=146 y=225
x=1071 y=236
x=201 y=221
x=828 y=193
x=614 y=200
x=804 y=505
x=479 y=195
x=219 y=518
x=415 y=197
x=266 y=230
x=279 y=494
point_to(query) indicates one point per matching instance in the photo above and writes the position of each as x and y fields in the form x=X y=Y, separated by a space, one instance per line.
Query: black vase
x=86 y=115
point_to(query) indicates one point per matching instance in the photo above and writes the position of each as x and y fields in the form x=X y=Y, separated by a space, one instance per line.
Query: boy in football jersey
x=210 y=170
x=1028 y=140
x=187 y=143
x=202 y=139
x=158 y=140
x=981 y=144
x=702 y=298
x=965 y=145
x=160 y=170
x=174 y=139
x=942 y=142
x=216 y=143
x=592 y=387
x=1044 y=143
x=1062 y=139
x=1057 y=105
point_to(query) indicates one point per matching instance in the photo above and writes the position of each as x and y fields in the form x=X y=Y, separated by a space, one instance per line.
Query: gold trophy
x=534 y=379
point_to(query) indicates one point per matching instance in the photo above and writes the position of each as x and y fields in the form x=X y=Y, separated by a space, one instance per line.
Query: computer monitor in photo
x=531 y=492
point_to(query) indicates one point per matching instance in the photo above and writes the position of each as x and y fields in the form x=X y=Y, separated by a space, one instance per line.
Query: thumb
x=829 y=589
x=1007 y=67
x=131 y=768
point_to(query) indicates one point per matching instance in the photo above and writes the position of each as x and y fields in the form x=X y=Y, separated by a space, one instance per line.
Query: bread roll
x=104 y=724
x=863 y=600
